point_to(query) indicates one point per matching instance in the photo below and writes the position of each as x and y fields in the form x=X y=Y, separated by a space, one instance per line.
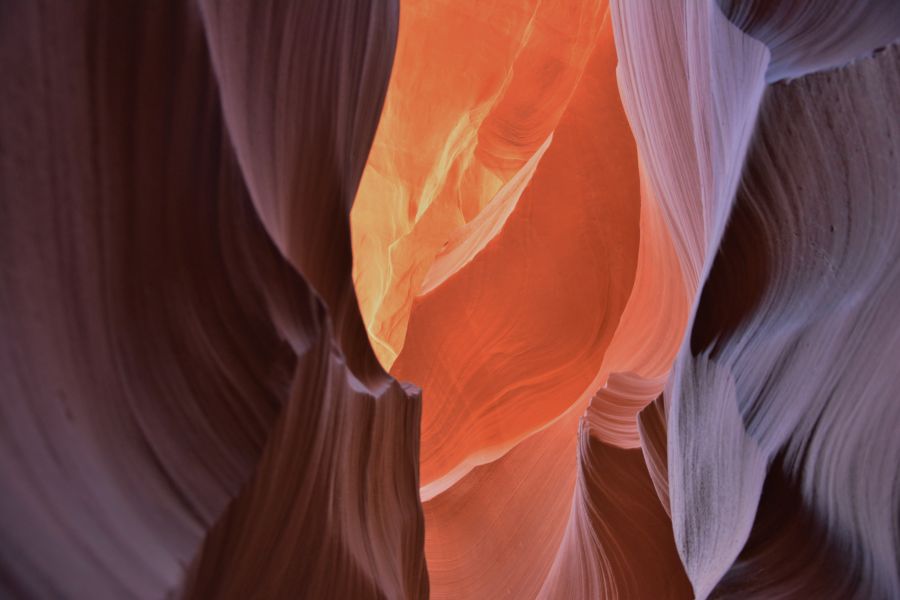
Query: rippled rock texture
x=189 y=401
x=453 y=299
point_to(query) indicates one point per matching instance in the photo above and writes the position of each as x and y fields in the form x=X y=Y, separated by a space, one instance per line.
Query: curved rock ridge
x=654 y=445
x=760 y=396
x=301 y=100
x=788 y=553
x=169 y=319
x=619 y=542
x=332 y=510
x=815 y=223
x=815 y=35
x=615 y=407
x=522 y=501
x=642 y=258
x=691 y=83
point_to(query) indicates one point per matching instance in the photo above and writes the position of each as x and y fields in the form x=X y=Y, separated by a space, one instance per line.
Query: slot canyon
x=450 y=299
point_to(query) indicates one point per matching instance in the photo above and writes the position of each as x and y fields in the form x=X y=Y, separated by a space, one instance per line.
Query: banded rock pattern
x=470 y=299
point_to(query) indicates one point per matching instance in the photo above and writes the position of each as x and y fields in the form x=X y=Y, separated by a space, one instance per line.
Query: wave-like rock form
x=458 y=269
x=521 y=500
x=514 y=338
x=619 y=543
x=460 y=290
x=816 y=218
x=302 y=100
x=761 y=376
x=332 y=510
x=691 y=84
x=343 y=473
x=641 y=258
x=177 y=303
x=804 y=37
x=654 y=445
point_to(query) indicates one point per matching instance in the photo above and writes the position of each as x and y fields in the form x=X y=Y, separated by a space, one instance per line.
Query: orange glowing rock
x=514 y=337
x=511 y=261
x=499 y=232
x=520 y=501
x=475 y=93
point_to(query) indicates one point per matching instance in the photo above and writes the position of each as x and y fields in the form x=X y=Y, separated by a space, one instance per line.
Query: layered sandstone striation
x=177 y=306
x=450 y=299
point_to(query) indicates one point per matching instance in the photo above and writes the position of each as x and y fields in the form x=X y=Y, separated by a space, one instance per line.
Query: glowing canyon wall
x=450 y=299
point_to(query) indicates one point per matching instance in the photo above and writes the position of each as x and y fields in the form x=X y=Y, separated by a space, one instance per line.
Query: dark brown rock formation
x=161 y=333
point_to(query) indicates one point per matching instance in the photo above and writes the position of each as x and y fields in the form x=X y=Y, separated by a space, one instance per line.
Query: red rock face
x=494 y=299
